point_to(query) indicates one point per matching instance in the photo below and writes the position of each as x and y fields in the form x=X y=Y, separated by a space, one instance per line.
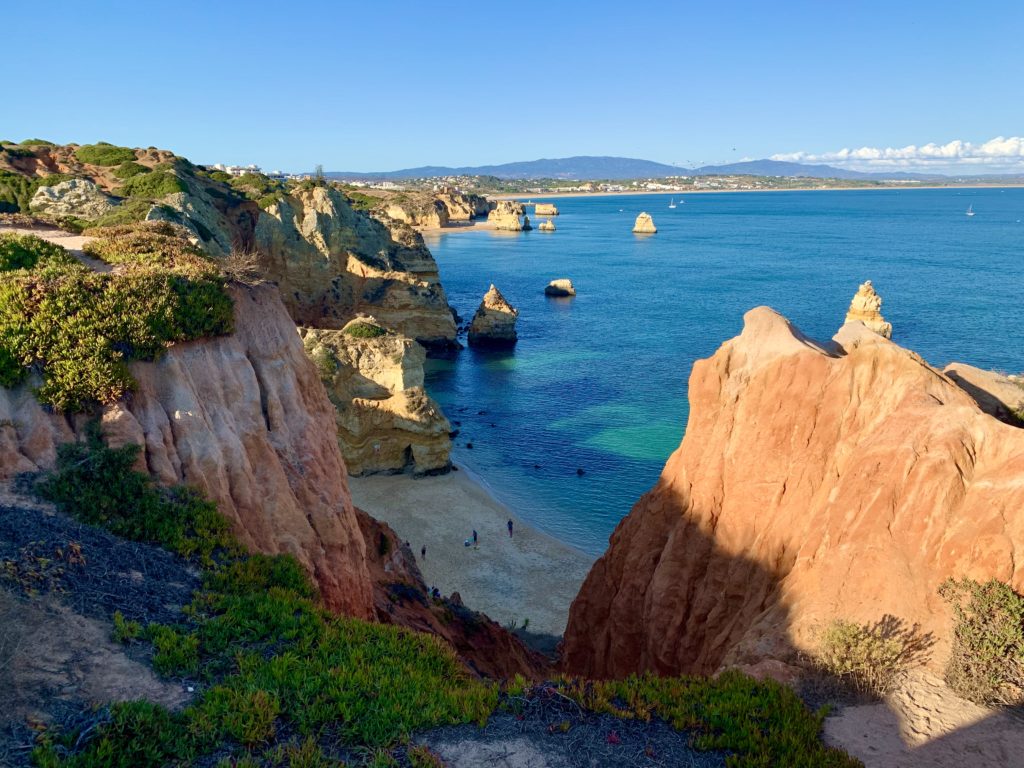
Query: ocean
x=575 y=423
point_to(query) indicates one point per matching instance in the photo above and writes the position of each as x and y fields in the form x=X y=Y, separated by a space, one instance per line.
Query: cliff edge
x=814 y=482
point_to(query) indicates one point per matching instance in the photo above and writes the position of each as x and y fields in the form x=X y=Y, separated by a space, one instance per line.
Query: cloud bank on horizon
x=1003 y=153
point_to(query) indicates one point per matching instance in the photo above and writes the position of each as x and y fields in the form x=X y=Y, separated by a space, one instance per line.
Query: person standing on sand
x=476 y=540
x=423 y=552
x=510 y=527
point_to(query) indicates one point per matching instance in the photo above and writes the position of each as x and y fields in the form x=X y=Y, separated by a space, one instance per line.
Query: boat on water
x=672 y=203
x=970 y=210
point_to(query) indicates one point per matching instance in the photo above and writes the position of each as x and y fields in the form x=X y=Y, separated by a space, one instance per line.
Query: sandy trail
x=529 y=576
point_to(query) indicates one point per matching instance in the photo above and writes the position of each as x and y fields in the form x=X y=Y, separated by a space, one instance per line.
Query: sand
x=529 y=576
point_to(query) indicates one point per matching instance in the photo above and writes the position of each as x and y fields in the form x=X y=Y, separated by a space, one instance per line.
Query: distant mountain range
x=590 y=167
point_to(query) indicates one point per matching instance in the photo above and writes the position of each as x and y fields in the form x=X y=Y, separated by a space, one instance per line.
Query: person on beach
x=476 y=540
x=423 y=552
x=510 y=528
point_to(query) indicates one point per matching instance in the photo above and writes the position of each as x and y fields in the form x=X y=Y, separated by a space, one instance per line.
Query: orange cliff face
x=245 y=419
x=813 y=483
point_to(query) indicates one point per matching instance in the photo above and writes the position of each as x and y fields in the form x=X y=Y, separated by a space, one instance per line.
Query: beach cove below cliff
x=530 y=575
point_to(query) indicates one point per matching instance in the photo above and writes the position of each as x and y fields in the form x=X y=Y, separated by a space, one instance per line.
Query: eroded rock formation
x=505 y=216
x=332 y=263
x=386 y=420
x=867 y=308
x=545 y=209
x=79 y=198
x=429 y=214
x=644 y=225
x=243 y=418
x=996 y=394
x=494 y=324
x=547 y=226
x=814 y=482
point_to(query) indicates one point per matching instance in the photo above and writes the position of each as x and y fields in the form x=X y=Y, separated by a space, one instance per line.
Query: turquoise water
x=598 y=382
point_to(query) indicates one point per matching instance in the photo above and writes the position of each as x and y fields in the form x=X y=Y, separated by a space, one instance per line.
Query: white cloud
x=998 y=154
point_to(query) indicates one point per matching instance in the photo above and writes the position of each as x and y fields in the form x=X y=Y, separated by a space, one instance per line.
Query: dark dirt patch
x=551 y=731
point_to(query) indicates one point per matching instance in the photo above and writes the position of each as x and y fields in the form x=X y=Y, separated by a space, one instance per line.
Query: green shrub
x=81 y=327
x=255 y=186
x=151 y=243
x=361 y=201
x=131 y=211
x=129 y=169
x=221 y=176
x=174 y=653
x=124 y=630
x=761 y=723
x=102 y=153
x=99 y=485
x=865 y=656
x=37 y=143
x=986 y=664
x=26 y=251
x=365 y=331
x=152 y=186
x=16 y=190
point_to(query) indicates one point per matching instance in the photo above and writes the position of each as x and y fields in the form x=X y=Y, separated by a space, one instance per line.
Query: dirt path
x=925 y=725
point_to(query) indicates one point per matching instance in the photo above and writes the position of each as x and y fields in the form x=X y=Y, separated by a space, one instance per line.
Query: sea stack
x=546 y=209
x=560 y=287
x=867 y=308
x=494 y=324
x=505 y=216
x=547 y=226
x=644 y=224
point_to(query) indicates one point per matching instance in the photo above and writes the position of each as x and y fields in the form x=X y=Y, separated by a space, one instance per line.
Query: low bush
x=131 y=211
x=361 y=201
x=99 y=485
x=986 y=664
x=129 y=169
x=365 y=331
x=867 y=657
x=26 y=251
x=255 y=186
x=37 y=143
x=102 y=153
x=16 y=190
x=152 y=186
x=80 y=328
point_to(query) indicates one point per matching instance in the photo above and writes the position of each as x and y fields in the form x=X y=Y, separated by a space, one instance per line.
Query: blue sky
x=387 y=84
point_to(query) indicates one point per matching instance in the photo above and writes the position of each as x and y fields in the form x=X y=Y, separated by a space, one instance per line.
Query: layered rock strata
x=814 y=482
x=386 y=420
x=244 y=419
x=494 y=324
x=644 y=225
x=866 y=307
x=545 y=209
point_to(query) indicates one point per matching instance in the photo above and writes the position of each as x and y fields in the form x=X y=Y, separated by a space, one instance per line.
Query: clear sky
x=385 y=84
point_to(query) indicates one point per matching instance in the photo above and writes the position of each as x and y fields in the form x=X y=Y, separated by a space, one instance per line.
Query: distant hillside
x=591 y=167
x=780 y=168
x=572 y=168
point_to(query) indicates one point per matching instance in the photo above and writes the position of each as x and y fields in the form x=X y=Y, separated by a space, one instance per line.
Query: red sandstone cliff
x=245 y=419
x=812 y=483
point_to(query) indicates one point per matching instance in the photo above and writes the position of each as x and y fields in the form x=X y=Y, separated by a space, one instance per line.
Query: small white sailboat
x=970 y=210
x=672 y=203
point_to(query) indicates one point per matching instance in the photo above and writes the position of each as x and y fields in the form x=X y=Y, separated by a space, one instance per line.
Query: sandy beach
x=528 y=576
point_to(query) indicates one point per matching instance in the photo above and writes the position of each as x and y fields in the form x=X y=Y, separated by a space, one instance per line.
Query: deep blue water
x=598 y=382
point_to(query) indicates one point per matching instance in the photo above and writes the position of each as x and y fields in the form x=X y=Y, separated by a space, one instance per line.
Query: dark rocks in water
x=453 y=434
x=469 y=445
x=580 y=472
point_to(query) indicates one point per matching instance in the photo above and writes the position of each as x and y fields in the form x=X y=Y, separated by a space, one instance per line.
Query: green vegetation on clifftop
x=102 y=153
x=80 y=328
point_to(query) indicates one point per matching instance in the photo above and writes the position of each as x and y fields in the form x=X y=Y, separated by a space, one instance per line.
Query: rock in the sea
x=505 y=215
x=386 y=420
x=644 y=225
x=545 y=209
x=814 y=482
x=243 y=418
x=560 y=287
x=547 y=226
x=867 y=308
x=79 y=198
x=494 y=323
x=527 y=226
